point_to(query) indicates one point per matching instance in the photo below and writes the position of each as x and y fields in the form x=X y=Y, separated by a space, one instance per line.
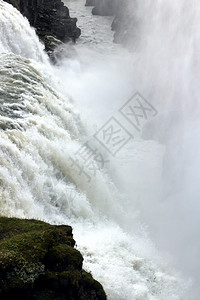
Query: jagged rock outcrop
x=51 y=20
x=38 y=262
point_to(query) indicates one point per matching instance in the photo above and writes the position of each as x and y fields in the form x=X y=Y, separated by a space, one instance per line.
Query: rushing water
x=49 y=112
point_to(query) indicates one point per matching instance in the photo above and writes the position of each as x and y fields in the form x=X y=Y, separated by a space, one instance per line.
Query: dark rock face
x=50 y=18
x=123 y=24
x=38 y=262
x=105 y=7
x=90 y=3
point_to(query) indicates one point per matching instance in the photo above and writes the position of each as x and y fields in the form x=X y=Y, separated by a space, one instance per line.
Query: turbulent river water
x=60 y=163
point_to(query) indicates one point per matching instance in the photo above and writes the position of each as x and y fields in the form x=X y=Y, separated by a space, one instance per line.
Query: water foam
x=17 y=36
x=41 y=131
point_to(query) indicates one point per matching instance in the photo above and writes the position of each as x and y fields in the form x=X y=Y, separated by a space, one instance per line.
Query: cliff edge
x=38 y=262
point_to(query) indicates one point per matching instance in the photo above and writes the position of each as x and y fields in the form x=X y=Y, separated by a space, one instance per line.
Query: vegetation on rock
x=38 y=262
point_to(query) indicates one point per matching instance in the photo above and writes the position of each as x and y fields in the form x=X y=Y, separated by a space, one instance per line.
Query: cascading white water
x=16 y=36
x=40 y=133
x=162 y=169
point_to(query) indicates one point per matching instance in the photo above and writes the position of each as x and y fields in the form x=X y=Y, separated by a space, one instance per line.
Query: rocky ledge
x=51 y=20
x=38 y=262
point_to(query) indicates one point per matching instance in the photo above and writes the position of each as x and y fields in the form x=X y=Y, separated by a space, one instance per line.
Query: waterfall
x=41 y=131
x=17 y=36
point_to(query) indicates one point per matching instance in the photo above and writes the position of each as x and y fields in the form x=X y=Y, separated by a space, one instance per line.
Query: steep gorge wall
x=105 y=7
x=123 y=23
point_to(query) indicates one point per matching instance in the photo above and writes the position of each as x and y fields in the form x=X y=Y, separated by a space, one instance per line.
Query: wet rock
x=51 y=43
x=126 y=24
x=105 y=7
x=38 y=262
x=90 y=3
x=50 y=18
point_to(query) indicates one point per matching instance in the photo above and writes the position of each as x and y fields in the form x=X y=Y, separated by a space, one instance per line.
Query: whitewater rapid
x=47 y=114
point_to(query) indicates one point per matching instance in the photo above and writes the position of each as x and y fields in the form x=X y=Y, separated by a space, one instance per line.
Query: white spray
x=43 y=131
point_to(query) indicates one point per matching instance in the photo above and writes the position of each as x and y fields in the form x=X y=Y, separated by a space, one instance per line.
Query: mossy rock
x=38 y=261
x=63 y=256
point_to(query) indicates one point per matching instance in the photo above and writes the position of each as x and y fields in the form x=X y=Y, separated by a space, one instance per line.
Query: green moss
x=38 y=261
x=48 y=295
x=63 y=256
x=72 y=277
x=12 y=226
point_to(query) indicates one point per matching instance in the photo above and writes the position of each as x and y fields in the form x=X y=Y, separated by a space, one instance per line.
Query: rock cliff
x=51 y=20
x=103 y=7
x=123 y=24
x=38 y=262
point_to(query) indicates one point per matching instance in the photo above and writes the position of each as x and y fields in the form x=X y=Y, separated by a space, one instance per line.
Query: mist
x=161 y=63
x=168 y=71
x=136 y=217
